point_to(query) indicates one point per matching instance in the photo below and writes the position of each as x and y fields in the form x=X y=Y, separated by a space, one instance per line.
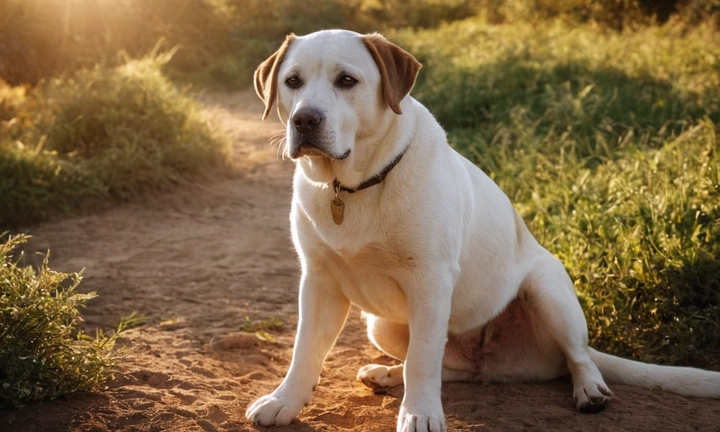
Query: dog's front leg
x=323 y=310
x=428 y=302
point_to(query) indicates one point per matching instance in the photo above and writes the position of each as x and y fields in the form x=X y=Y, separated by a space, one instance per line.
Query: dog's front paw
x=274 y=409
x=380 y=377
x=591 y=397
x=411 y=422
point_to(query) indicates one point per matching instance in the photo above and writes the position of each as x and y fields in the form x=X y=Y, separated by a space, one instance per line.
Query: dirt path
x=198 y=261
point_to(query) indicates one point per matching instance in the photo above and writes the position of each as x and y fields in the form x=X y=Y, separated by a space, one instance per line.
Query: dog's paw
x=591 y=397
x=409 y=422
x=380 y=377
x=274 y=409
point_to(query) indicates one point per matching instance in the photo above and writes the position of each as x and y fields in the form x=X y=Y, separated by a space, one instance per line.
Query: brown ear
x=398 y=69
x=267 y=73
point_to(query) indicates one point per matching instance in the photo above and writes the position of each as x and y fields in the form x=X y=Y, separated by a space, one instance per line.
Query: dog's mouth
x=307 y=148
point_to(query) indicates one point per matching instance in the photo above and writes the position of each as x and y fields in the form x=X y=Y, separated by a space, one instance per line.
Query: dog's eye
x=293 y=82
x=346 y=81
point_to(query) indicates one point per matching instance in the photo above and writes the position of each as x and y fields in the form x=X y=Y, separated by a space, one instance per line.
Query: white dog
x=387 y=216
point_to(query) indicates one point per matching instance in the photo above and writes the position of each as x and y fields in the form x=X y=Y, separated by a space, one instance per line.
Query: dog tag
x=337 y=207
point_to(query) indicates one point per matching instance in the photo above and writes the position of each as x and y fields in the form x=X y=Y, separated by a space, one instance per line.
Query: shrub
x=43 y=354
x=614 y=14
x=106 y=132
x=43 y=38
x=135 y=130
x=221 y=41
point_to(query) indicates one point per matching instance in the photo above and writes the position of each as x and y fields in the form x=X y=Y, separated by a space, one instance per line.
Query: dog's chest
x=374 y=274
x=365 y=245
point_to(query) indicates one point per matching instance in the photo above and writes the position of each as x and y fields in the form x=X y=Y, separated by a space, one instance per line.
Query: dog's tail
x=685 y=381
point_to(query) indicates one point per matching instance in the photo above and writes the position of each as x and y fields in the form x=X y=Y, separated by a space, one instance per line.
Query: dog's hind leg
x=550 y=293
x=393 y=338
x=390 y=337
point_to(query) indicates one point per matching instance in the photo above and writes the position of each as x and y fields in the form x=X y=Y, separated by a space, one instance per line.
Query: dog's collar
x=372 y=181
x=337 y=206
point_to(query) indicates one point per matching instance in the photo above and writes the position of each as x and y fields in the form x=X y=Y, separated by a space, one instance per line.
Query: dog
x=386 y=215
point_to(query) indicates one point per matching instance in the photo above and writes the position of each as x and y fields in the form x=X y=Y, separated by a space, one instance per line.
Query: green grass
x=43 y=354
x=607 y=144
x=102 y=133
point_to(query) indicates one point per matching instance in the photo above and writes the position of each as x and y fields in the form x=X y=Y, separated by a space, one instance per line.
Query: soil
x=201 y=262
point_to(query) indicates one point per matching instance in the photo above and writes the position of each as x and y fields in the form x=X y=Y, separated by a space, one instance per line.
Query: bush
x=106 y=132
x=44 y=38
x=43 y=354
x=221 y=41
x=607 y=145
x=614 y=14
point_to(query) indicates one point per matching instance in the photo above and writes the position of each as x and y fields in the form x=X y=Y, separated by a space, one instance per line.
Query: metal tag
x=337 y=208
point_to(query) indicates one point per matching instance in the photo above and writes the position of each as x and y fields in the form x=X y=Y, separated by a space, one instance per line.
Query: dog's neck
x=372 y=181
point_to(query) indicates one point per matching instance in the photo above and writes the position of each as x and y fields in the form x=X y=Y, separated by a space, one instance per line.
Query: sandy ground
x=200 y=261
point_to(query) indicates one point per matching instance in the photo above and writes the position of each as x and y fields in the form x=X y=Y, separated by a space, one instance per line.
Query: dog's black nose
x=307 y=120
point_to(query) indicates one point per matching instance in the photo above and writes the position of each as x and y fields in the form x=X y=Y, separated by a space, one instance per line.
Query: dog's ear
x=266 y=75
x=398 y=69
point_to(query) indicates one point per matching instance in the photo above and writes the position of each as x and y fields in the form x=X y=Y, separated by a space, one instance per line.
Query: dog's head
x=333 y=89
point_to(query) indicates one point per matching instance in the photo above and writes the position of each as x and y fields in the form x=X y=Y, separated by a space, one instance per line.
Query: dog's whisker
x=279 y=142
x=281 y=148
x=278 y=137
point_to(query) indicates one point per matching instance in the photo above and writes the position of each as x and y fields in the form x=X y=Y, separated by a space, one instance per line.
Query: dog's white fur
x=451 y=280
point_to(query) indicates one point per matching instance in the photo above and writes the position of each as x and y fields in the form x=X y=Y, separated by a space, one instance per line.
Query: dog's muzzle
x=308 y=138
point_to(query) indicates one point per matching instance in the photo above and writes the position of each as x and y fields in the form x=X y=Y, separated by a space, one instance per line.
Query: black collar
x=372 y=181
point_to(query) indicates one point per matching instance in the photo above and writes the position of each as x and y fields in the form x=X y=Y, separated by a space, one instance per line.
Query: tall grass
x=105 y=133
x=607 y=144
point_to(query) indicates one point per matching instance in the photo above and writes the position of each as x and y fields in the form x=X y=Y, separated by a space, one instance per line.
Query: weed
x=262 y=328
x=265 y=325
